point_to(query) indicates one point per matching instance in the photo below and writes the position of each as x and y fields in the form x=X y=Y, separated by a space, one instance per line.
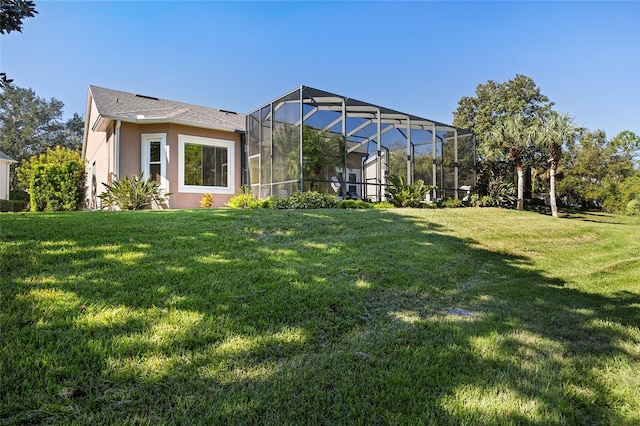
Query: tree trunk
x=552 y=188
x=520 y=172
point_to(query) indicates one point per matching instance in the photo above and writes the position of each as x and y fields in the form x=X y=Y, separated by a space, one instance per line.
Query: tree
x=496 y=101
x=550 y=134
x=485 y=113
x=72 y=132
x=322 y=151
x=30 y=124
x=510 y=138
x=12 y=12
x=627 y=144
x=594 y=168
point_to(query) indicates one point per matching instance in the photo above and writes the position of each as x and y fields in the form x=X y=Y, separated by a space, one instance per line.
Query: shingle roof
x=5 y=157
x=116 y=104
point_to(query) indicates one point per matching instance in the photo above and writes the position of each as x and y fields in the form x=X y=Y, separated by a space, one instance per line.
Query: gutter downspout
x=117 y=150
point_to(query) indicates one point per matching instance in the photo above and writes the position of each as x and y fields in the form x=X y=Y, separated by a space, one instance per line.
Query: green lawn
x=454 y=316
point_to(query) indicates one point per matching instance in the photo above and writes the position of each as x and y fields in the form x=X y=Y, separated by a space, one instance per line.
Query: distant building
x=5 y=177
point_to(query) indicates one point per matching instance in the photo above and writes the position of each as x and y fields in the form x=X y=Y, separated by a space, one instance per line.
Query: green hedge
x=19 y=194
x=12 y=205
x=304 y=200
x=56 y=187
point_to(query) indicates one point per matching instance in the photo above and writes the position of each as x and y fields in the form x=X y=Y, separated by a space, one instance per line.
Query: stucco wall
x=131 y=161
x=99 y=151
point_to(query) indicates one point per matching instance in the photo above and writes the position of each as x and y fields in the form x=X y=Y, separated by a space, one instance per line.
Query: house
x=189 y=149
x=307 y=140
x=5 y=178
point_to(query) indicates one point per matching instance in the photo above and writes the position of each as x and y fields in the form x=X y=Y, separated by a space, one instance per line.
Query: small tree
x=550 y=134
x=510 y=136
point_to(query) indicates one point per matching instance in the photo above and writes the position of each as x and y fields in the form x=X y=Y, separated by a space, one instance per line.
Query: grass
x=456 y=316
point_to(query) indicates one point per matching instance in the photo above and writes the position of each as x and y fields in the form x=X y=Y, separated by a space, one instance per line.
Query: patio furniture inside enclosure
x=312 y=140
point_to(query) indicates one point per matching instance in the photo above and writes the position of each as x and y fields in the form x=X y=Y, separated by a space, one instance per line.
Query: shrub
x=55 y=187
x=58 y=155
x=245 y=201
x=56 y=180
x=355 y=204
x=19 y=195
x=401 y=194
x=633 y=207
x=304 y=200
x=13 y=205
x=452 y=203
x=481 y=201
x=133 y=193
x=500 y=194
x=206 y=201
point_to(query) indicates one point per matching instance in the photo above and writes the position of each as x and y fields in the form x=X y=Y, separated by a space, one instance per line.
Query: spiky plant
x=133 y=193
x=401 y=194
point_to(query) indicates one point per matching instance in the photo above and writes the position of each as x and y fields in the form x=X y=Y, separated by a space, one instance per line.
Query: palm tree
x=511 y=138
x=550 y=134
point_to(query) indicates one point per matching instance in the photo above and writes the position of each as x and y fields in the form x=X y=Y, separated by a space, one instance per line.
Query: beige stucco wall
x=131 y=162
x=99 y=151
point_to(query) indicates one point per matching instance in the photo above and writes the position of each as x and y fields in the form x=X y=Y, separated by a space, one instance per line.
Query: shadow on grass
x=584 y=215
x=294 y=317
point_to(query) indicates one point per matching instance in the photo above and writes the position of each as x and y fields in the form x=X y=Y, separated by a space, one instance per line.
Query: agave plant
x=401 y=194
x=133 y=193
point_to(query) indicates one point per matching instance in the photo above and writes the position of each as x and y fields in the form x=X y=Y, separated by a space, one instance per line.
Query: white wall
x=4 y=180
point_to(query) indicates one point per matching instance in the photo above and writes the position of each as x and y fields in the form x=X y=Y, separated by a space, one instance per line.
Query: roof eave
x=103 y=122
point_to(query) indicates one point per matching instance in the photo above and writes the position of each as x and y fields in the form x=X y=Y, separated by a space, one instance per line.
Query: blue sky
x=416 y=57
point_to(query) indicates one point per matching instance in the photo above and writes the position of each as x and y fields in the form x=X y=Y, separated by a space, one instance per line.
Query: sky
x=415 y=57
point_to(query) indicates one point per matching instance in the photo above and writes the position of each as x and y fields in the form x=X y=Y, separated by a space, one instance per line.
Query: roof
x=135 y=108
x=323 y=100
x=5 y=157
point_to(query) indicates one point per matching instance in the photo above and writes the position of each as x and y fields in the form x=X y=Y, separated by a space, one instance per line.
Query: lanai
x=312 y=139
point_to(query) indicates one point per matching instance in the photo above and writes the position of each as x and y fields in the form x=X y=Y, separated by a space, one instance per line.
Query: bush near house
x=19 y=195
x=246 y=200
x=133 y=193
x=56 y=180
x=402 y=194
x=17 y=202
x=452 y=203
x=12 y=205
x=206 y=201
x=57 y=187
x=304 y=200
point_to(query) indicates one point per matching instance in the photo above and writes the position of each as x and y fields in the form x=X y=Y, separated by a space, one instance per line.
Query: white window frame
x=145 y=151
x=231 y=165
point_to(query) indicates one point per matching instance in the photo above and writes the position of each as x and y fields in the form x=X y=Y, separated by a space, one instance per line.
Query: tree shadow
x=295 y=317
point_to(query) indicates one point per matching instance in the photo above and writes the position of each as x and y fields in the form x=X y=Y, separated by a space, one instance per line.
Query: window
x=154 y=158
x=352 y=187
x=206 y=165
